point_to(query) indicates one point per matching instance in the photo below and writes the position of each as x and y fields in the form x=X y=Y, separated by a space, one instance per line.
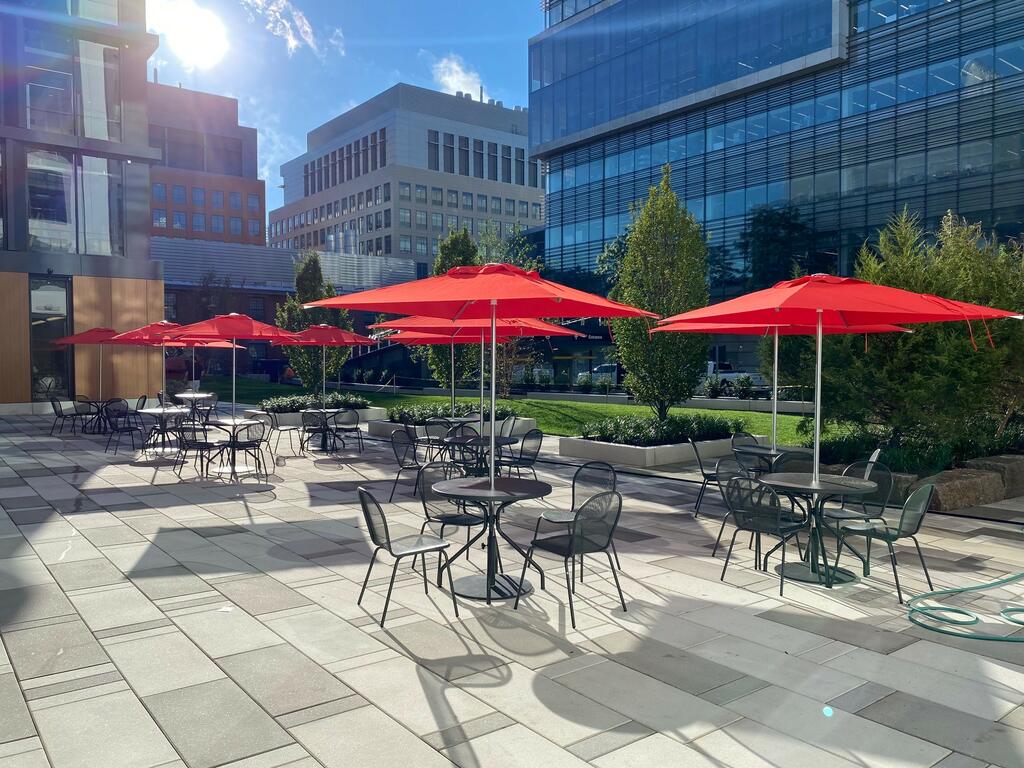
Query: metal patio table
x=232 y=424
x=491 y=585
x=325 y=414
x=769 y=454
x=193 y=399
x=817 y=492
x=479 y=445
x=158 y=440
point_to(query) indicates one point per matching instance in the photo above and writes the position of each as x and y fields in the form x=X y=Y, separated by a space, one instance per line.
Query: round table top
x=830 y=485
x=194 y=395
x=506 y=489
x=768 y=452
x=481 y=441
x=234 y=421
x=322 y=410
x=165 y=410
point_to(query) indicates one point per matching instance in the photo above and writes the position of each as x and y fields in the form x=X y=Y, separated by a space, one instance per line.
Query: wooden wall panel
x=15 y=386
x=90 y=298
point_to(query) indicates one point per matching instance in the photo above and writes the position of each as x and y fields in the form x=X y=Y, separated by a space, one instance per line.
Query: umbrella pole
x=481 y=382
x=101 y=371
x=452 y=348
x=494 y=366
x=775 y=386
x=233 y=353
x=817 y=399
x=163 y=367
x=193 y=363
x=323 y=370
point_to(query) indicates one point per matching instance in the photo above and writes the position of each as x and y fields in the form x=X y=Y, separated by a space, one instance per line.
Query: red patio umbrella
x=97 y=336
x=150 y=335
x=828 y=301
x=193 y=344
x=233 y=327
x=325 y=336
x=774 y=331
x=489 y=291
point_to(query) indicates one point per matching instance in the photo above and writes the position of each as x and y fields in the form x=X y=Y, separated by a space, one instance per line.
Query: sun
x=195 y=35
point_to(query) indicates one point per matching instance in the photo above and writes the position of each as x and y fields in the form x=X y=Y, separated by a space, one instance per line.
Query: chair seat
x=784 y=529
x=876 y=530
x=558 y=516
x=843 y=513
x=562 y=545
x=414 y=545
x=457 y=518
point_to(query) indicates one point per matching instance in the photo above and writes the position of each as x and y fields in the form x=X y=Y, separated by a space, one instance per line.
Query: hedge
x=296 y=403
x=418 y=414
x=648 y=431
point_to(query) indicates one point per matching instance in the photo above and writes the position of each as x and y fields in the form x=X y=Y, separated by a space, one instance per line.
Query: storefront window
x=49 y=300
x=51 y=201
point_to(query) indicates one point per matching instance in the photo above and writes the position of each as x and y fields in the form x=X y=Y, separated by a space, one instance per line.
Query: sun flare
x=195 y=35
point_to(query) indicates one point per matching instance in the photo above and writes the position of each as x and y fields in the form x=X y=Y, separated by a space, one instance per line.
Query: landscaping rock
x=1010 y=467
x=962 y=488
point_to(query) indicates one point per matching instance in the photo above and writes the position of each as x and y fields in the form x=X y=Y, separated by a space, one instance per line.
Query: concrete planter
x=1009 y=467
x=962 y=488
x=641 y=456
x=384 y=428
x=366 y=415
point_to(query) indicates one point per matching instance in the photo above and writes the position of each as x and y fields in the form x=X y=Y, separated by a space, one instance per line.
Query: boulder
x=1010 y=467
x=962 y=488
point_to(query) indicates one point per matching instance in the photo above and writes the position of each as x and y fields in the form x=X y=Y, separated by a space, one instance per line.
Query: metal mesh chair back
x=508 y=426
x=376 y=522
x=193 y=436
x=590 y=480
x=914 y=510
x=876 y=502
x=404 y=448
x=141 y=403
x=58 y=409
x=696 y=455
x=251 y=434
x=743 y=438
x=346 y=419
x=434 y=504
x=595 y=522
x=437 y=427
x=312 y=420
x=83 y=407
x=754 y=505
x=462 y=430
x=529 y=449
x=793 y=461
x=726 y=469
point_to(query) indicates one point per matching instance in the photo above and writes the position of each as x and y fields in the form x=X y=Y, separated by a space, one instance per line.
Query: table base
x=505 y=587
x=802 y=572
x=236 y=470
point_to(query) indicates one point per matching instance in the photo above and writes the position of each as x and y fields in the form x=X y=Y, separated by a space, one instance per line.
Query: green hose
x=931 y=616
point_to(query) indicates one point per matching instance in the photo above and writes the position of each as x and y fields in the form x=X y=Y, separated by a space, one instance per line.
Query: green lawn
x=554 y=417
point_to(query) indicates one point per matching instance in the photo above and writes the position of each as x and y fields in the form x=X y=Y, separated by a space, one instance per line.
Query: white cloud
x=337 y=41
x=452 y=74
x=275 y=144
x=283 y=19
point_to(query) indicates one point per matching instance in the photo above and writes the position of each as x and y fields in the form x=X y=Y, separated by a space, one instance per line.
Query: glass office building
x=791 y=126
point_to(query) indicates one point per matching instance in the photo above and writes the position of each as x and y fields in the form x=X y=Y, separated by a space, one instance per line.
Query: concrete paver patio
x=151 y=622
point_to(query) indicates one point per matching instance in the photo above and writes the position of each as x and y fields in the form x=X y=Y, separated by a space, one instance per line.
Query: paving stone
x=282 y=680
x=512 y=747
x=261 y=594
x=162 y=663
x=175 y=580
x=441 y=650
x=214 y=723
x=112 y=534
x=324 y=637
x=86 y=573
x=115 y=607
x=32 y=603
x=224 y=632
x=928 y=720
x=15 y=721
x=852 y=632
x=53 y=648
x=860 y=697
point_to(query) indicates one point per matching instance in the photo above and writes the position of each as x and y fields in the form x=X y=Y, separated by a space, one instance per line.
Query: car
x=605 y=370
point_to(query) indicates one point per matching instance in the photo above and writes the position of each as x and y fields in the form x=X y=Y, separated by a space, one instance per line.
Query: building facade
x=794 y=128
x=392 y=176
x=74 y=214
x=205 y=185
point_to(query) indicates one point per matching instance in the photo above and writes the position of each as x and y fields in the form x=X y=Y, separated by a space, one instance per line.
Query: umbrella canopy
x=774 y=331
x=414 y=339
x=234 y=327
x=155 y=333
x=325 y=336
x=468 y=293
x=92 y=336
x=826 y=301
x=838 y=301
x=472 y=328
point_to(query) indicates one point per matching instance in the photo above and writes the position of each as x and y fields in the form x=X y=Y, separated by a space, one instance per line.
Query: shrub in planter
x=544 y=381
x=419 y=414
x=714 y=386
x=743 y=388
x=648 y=431
x=296 y=403
x=585 y=382
x=603 y=384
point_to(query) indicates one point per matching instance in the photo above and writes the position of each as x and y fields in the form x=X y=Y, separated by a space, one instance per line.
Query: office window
x=496 y=205
x=421 y=219
x=942 y=162
x=481 y=203
x=492 y=161
x=453 y=198
x=534 y=174
x=254 y=227
x=433 y=150
x=510 y=207
x=377 y=195
x=378 y=220
x=387 y=217
x=404 y=217
x=436 y=220
x=160 y=192
x=257 y=308
x=159 y=217
x=478 y=158
x=422 y=269
x=235 y=201
x=254 y=203
x=421 y=246
x=506 y=163
x=467 y=201
x=536 y=210
x=217 y=224
x=449 y=153
x=436 y=196
x=198 y=222
x=464 y=155
x=467 y=224
x=453 y=222
x=178 y=194
x=404 y=244
x=170 y=306
x=404 y=190
x=235 y=225
x=178 y=220
x=433 y=246
x=421 y=194
x=198 y=197
x=520 y=167
x=387 y=192
x=217 y=199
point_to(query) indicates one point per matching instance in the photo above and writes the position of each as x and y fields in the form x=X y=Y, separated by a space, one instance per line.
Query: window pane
x=1010 y=59
x=801 y=189
x=912 y=85
x=757 y=126
x=49 y=80
x=1007 y=151
x=910 y=169
x=881 y=175
x=943 y=76
x=855 y=100
x=826 y=108
x=882 y=93
x=826 y=185
x=802 y=115
x=942 y=162
x=99 y=73
x=853 y=180
x=977 y=68
x=778 y=121
x=976 y=157
x=51 y=201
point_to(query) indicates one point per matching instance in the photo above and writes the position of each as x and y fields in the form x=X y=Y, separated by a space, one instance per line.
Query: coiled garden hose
x=947 y=618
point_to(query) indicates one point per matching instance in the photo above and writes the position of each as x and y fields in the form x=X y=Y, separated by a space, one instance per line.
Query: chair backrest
x=726 y=469
x=312 y=419
x=743 y=438
x=347 y=419
x=793 y=461
x=437 y=427
x=508 y=426
x=875 y=502
x=141 y=403
x=192 y=435
x=875 y=454
x=251 y=434
x=434 y=504
x=275 y=422
x=591 y=479
x=529 y=448
x=914 y=510
x=404 y=448
x=463 y=430
x=116 y=411
x=162 y=398
x=595 y=522
x=754 y=505
x=696 y=454
x=58 y=409
x=376 y=522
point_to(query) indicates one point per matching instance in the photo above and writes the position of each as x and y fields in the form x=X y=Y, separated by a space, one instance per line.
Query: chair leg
x=923 y=566
x=522 y=578
x=366 y=580
x=615 y=576
x=721 y=530
x=395 y=485
x=782 y=570
x=451 y=584
x=700 y=497
x=391 y=585
x=615 y=552
x=570 y=584
x=729 y=553
x=895 y=576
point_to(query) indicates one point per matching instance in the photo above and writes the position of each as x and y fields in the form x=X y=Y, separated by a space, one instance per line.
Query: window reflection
x=49 y=300
x=51 y=201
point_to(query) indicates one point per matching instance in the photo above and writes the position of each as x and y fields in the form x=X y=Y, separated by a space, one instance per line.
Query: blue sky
x=292 y=64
